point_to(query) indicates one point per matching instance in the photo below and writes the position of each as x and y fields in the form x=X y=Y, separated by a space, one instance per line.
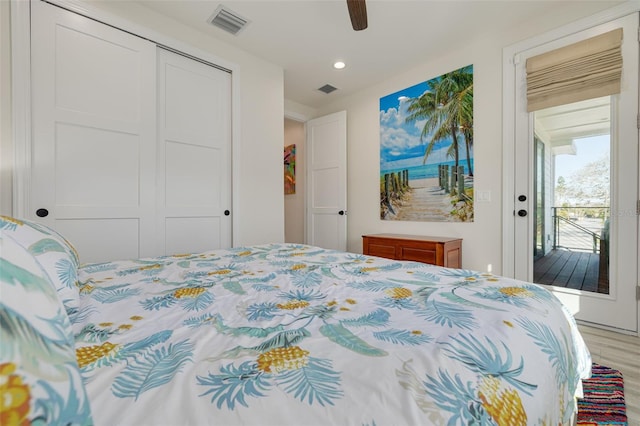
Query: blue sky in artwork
x=400 y=144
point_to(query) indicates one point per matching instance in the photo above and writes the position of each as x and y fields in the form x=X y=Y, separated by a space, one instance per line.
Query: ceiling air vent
x=228 y=20
x=327 y=88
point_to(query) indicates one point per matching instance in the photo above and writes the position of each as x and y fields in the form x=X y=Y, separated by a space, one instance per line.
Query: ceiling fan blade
x=358 y=14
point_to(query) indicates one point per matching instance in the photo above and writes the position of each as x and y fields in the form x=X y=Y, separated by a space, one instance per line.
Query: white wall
x=258 y=195
x=297 y=111
x=294 y=133
x=482 y=239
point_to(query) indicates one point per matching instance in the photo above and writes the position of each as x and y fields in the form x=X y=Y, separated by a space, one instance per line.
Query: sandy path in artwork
x=427 y=202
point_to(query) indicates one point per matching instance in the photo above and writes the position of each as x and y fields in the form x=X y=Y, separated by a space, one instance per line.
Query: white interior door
x=618 y=307
x=194 y=153
x=326 y=224
x=93 y=134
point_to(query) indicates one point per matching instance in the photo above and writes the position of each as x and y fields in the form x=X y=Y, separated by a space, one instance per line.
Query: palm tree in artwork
x=462 y=106
x=447 y=108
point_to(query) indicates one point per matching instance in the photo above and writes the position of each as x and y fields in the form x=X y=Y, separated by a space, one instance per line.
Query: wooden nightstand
x=439 y=251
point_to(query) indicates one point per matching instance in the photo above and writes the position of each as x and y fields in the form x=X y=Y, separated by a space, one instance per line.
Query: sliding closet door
x=131 y=143
x=93 y=141
x=194 y=152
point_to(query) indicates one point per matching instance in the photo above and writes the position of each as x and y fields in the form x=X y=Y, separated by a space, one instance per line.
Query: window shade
x=588 y=69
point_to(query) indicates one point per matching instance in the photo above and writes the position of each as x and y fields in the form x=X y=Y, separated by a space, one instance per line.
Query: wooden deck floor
x=565 y=268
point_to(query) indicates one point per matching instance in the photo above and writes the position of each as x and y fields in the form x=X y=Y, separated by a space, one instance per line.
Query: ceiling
x=561 y=125
x=305 y=37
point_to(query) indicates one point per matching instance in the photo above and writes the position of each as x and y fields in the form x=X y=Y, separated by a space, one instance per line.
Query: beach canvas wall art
x=290 y=169
x=426 y=150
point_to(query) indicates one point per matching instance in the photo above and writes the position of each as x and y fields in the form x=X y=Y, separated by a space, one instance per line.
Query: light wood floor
x=621 y=352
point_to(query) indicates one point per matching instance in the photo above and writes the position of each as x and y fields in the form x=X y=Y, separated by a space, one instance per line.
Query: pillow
x=39 y=377
x=53 y=253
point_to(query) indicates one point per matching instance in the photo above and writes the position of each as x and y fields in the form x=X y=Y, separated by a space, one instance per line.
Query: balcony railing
x=579 y=228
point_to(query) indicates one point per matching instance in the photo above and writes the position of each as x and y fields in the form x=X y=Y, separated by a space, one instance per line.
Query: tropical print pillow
x=55 y=256
x=40 y=382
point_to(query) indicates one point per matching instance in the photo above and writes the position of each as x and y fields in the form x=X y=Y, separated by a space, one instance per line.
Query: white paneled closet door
x=93 y=134
x=194 y=134
x=131 y=144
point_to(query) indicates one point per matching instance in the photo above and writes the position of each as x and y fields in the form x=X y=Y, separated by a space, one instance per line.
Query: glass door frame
x=539 y=192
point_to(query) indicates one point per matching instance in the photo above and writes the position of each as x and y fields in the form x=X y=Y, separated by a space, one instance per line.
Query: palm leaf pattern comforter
x=283 y=334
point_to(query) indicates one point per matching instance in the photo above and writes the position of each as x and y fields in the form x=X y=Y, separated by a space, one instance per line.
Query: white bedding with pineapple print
x=288 y=334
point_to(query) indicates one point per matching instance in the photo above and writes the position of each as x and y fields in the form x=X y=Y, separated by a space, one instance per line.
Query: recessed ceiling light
x=339 y=65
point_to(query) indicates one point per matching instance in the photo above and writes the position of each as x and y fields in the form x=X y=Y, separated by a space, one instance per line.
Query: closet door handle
x=227 y=212
x=341 y=212
x=42 y=212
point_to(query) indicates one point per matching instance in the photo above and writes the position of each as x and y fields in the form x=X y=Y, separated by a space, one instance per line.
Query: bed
x=276 y=334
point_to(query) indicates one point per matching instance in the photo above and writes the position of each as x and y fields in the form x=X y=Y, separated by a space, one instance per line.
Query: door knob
x=42 y=212
x=522 y=213
x=522 y=198
x=341 y=212
x=227 y=212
